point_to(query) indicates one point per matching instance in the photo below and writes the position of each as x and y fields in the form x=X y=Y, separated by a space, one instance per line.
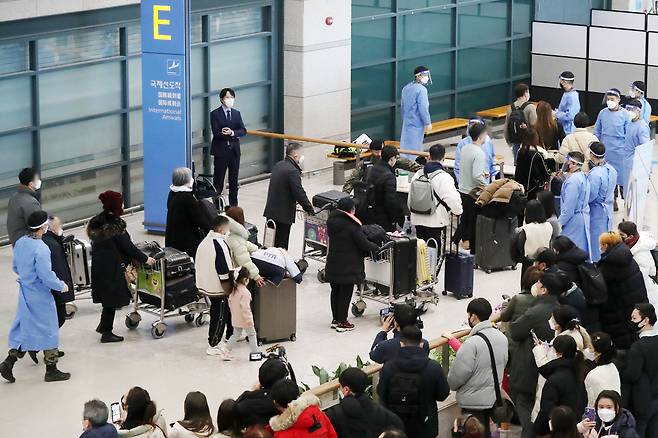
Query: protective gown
x=610 y=129
x=415 y=109
x=602 y=180
x=574 y=210
x=567 y=110
x=637 y=134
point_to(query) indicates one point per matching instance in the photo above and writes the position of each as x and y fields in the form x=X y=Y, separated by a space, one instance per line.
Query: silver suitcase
x=79 y=258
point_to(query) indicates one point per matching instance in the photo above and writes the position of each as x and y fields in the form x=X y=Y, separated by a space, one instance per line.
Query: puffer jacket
x=642 y=255
x=578 y=141
x=360 y=417
x=158 y=429
x=500 y=190
x=569 y=260
x=625 y=289
x=241 y=248
x=302 y=418
x=623 y=427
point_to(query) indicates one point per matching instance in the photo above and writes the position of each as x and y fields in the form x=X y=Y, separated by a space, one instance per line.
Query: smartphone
x=590 y=414
x=115 y=409
x=534 y=336
x=255 y=357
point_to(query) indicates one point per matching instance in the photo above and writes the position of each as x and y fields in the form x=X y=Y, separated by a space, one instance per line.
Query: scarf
x=354 y=218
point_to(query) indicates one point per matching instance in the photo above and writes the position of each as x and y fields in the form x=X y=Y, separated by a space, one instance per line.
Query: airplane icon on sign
x=173 y=67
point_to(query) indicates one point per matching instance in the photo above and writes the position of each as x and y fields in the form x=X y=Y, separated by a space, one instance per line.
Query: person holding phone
x=94 y=420
x=608 y=418
x=227 y=128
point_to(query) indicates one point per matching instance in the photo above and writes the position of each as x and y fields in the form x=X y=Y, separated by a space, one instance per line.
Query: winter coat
x=21 y=205
x=522 y=369
x=285 y=192
x=642 y=254
x=562 y=388
x=256 y=407
x=387 y=209
x=360 y=417
x=111 y=251
x=347 y=249
x=640 y=375
x=578 y=141
x=500 y=190
x=105 y=431
x=623 y=427
x=179 y=431
x=60 y=265
x=240 y=304
x=511 y=311
x=625 y=289
x=241 y=248
x=302 y=418
x=602 y=377
x=186 y=222
x=212 y=265
x=434 y=388
x=569 y=260
x=531 y=171
x=444 y=189
x=158 y=429
x=471 y=372
x=384 y=349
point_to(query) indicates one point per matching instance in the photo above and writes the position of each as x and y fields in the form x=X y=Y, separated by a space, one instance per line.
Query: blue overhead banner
x=166 y=102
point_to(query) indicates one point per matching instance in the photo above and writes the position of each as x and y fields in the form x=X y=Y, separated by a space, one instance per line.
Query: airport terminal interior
x=90 y=106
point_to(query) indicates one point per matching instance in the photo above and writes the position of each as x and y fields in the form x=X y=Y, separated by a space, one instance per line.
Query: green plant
x=325 y=376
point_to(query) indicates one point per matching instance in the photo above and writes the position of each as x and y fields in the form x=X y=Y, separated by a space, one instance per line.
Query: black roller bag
x=179 y=292
x=331 y=198
x=493 y=237
x=459 y=269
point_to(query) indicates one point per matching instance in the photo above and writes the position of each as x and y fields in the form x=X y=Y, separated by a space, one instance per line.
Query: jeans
x=341 y=295
x=220 y=319
x=515 y=150
x=482 y=415
x=107 y=319
x=250 y=332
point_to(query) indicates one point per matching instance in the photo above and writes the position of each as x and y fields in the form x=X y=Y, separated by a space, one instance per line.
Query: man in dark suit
x=284 y=192
x=227 y=128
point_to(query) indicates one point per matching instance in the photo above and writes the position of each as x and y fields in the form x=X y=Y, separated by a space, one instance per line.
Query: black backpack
x=592 y=283
x=517 y=124
x=404 y=396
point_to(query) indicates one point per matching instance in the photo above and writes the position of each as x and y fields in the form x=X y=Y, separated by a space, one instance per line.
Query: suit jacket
x=285 y=191
x=223 y=145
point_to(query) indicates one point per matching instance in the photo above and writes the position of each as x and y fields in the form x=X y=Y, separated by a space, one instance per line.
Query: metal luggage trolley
x=380 y=275
x=152 y=282
x=316 y=239
x=79 y=262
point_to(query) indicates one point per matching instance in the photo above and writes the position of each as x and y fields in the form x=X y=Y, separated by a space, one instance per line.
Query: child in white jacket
x=242 y=319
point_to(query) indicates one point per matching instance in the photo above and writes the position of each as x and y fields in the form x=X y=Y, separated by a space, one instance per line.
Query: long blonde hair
x=546 y=125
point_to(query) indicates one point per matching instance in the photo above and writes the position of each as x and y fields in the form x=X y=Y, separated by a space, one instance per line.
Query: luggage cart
x=78 y=257
x=380 y=278
x=316 y=239
x=152 y=282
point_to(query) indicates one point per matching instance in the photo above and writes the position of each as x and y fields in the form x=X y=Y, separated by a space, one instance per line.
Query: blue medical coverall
x=602 y=180
x=637 y=134
x=35 y=326
x=610 y=129
x=567 y=110
x=489 y=157
x=574 y=210
x=646 y=110
x=415 y=109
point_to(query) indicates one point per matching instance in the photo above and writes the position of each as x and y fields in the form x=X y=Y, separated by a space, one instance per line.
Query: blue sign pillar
x=166 y=107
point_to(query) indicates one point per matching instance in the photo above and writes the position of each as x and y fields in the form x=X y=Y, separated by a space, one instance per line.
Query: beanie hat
x=37 y=220
x=112 y=202
x=345 y=204
x=597 y=149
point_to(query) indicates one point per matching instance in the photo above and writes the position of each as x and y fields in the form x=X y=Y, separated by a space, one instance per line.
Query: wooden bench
x=447 y=126
x=652 y=125
x=341 y=164
x=493 y=113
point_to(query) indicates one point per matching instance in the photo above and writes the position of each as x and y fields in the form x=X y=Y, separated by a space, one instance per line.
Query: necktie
x=228 y=115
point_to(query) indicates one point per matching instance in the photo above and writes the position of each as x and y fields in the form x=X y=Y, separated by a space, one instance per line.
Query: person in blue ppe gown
x=415 y=109
x=574 y=202
x=637 y=134
x=569 y=104
x=602 y=179
x=35 y=326
x=610 y=129
x=637 y=91
x=487 y=147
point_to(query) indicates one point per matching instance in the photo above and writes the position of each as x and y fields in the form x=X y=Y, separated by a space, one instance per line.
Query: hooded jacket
x=623 y=427
x=360 y=417
x=302 y=418
x=625 y=289
x=241 y=248
x=642 y=254
x=500 y=190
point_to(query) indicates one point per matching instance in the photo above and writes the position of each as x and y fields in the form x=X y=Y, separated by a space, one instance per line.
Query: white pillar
x=317 y=73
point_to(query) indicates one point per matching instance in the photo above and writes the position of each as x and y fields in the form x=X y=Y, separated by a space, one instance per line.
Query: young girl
x=241 y=317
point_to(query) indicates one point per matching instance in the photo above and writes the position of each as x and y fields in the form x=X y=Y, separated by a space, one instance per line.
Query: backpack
x=422 y=197
x=517 y=124
x=592 y=284
x=404 y=395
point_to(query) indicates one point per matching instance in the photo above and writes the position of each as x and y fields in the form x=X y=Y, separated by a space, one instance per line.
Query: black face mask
x=635 y=326
x=591 y=164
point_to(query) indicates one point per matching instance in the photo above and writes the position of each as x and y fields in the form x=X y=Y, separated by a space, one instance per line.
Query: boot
x=6 y=369
x=109 y=337
x=33 y=356
x=55 y=375
x=98 y=329
x=60 y=353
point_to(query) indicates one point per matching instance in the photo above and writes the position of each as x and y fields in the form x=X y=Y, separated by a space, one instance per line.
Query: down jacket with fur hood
x=302 y=418
x=500 y=190
x=241 y=248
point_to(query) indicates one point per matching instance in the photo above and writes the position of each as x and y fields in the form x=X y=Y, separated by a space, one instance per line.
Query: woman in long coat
x=112 y=251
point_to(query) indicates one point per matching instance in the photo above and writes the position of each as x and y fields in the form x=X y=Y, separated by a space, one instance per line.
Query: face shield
x=424 y=77
x=636 y=112
x=562 y=80
x=611 y=96
x=634 y=92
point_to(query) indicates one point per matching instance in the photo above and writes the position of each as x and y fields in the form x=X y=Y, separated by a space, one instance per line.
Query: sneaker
x=334 y=323
x=227 y=355
x=344 y=327
x=214 y=351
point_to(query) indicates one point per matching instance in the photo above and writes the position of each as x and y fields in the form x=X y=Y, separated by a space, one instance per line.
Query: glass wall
x=75 y=101
x=476 y=50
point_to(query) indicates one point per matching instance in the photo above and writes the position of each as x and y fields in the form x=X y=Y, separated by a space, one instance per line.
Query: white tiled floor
x=176 y=364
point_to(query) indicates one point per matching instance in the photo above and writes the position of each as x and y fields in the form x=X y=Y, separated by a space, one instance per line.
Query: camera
x=390 y=311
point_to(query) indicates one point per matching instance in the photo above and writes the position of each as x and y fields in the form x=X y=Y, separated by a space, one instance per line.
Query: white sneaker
x=225 y=352
x=214 y=351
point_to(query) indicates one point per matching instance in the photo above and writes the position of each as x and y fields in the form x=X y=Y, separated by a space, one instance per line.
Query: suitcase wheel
x=189 y=318
x=444 y=293
x=200 y=321
x=70 y=310
x=514 y=268
x=158 y=330
x=487 y=270
x=321 y=276
x=132 y=320
x=259 y=342
x=358 y=308
x=293 y=337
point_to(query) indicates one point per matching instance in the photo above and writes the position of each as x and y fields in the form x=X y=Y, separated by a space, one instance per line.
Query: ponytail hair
x=566 y=346
x=236 y=275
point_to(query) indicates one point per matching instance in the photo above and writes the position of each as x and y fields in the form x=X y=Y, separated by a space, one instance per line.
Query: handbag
x=503 y=409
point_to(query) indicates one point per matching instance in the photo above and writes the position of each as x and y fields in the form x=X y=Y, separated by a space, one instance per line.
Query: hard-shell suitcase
x=423 y=264
x=253 y=232
x=177 y=263
x=178 y=293
x=493 y=239
x=79 y=260
x=459 y=269
x=330 y=198
x=275 y=311
x=402 y=268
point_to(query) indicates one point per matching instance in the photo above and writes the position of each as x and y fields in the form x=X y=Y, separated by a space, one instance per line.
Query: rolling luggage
x=178 y=292
x=253 y=232
x=330 y=198
x=459 y=268
x=493 y=237
x=177 y=263
x=275 y=311
x=79 y=260
x=423 y=264
x=405 y=255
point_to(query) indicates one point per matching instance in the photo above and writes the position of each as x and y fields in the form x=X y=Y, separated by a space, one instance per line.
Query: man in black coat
x=357 y=415
x=384 y=207
x=53 y=238
x=256 y=407
x=411 y=384
x=284 y=192
x=384 y=349
x=640 y=374
x=227 y=128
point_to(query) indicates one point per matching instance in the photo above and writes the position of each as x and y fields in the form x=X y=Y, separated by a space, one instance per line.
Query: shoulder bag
x=503 y=409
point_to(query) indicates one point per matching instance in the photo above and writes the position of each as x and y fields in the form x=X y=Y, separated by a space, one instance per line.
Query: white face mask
x=534 y=290
x=589 y=354
x=228 y=102
x=424 y=80
x=606 y=415
x=37 y=184
x=60 y=233
x=611 y=104
x=632 y=94
x=552 y=324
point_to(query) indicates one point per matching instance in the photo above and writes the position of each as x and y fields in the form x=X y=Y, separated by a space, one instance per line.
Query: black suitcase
x=330 y=198
x=459 y=269
x=253 y=232
x=405 y=253
x=177 y=263
x=493 y=237
x=179 y=292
